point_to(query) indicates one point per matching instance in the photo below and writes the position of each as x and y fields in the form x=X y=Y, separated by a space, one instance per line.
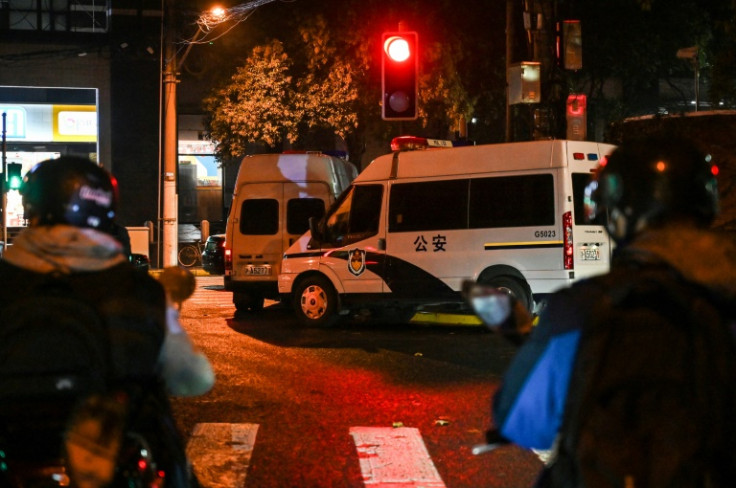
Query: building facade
x=84 y=77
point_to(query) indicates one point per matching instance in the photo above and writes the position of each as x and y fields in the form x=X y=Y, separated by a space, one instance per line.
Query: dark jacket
x=132 y=304
x=528 y=409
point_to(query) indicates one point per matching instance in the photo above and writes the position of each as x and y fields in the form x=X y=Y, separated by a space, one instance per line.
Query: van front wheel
x=315 y=302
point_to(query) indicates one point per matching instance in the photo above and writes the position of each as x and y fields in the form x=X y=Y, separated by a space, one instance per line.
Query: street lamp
x=206 y=21
x=169 y=220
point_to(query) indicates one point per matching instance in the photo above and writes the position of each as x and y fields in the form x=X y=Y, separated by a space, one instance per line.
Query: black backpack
x=54 y=350
x=651 y=402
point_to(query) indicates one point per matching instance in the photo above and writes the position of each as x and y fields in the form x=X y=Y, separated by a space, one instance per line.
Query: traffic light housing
x=576 y=115
x=14 y=177
x=399 y=70
x=572 y=38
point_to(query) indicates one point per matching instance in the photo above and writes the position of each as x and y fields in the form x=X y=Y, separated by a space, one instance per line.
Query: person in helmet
x=653 y=184
x=70 y=205
x=657 y=198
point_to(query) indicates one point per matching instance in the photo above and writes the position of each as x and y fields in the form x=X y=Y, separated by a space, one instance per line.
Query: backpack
x=651 y=402
x=54 y=350
x=75 y=353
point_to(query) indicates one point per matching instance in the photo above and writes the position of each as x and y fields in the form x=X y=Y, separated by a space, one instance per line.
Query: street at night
x=298 y=403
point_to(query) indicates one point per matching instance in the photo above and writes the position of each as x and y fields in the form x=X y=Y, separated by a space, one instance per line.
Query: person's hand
x=179 y=284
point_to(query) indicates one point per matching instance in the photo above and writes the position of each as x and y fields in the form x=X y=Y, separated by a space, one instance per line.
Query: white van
x=273 y=199
x=414 y=225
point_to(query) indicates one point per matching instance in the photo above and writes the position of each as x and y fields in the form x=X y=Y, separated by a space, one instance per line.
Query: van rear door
x=269 y=219
x=256 y=235
x=592 y=253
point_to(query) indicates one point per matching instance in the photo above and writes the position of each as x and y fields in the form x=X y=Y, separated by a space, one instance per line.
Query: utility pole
x=169 y=221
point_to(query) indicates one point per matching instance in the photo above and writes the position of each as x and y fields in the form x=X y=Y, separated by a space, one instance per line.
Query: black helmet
x=69 y=190
x=651 y=182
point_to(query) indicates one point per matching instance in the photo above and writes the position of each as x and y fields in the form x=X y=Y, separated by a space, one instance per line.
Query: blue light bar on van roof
x=578 y=156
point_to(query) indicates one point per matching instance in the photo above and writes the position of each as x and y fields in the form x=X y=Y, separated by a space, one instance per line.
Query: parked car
x=213 y=255
x=140 y=261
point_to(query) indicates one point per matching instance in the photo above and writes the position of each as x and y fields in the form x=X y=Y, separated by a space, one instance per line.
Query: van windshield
x=355 y=216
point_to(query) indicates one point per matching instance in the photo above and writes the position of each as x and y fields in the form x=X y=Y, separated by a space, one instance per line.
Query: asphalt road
x=297 y=407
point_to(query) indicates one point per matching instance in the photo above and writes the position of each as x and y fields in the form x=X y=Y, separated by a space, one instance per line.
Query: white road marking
x=220 y=453
x=210 y=293
x=394 y=458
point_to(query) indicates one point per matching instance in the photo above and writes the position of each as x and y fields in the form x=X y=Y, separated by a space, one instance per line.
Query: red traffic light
x=397 y=48
x=576 y=115
x=399 y=76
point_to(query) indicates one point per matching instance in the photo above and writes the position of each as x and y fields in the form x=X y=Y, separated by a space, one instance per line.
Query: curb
x=195 y=271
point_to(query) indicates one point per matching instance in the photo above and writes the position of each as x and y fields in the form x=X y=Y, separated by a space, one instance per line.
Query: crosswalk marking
x=394 y=458
x=210 y=292
x=220 y=453
x=389 y=457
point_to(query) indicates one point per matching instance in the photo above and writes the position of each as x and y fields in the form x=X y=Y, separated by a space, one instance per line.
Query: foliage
x=264 y=102
x=327 y=93
x=323 y=80
x=257 y=106
x=444 y=99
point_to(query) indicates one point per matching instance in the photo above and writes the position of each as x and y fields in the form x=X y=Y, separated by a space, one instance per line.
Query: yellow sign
x=74 y=123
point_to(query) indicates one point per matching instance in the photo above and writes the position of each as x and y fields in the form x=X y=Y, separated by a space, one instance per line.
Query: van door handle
x=382 y=244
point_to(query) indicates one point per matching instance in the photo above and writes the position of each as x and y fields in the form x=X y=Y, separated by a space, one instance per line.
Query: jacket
x=528 y=408
x=91 y=257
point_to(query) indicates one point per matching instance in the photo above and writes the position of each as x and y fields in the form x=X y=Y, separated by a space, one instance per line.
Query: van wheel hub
x=314 y=302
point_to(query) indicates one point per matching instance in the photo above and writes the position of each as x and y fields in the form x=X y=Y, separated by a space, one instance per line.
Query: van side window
x=428 y=205
x=355 y=216
x=259 y=217
x=298 y=211
x=512 y=201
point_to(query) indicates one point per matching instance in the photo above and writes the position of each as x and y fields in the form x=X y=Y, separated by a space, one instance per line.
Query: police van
x=414 y=225
x=273 y=199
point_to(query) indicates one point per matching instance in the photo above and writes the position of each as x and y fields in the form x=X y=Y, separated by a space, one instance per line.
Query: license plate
x=253 y=270
x=590 y=254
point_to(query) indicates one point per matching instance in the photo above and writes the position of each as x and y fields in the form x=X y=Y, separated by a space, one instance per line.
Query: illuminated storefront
x=36 y=132
x=200 y=182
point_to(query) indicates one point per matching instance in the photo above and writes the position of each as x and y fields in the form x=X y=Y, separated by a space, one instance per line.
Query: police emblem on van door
x=356 y=263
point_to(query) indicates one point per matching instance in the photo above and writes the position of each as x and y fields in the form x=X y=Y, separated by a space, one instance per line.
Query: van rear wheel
x=315 y=302
x=513 y=287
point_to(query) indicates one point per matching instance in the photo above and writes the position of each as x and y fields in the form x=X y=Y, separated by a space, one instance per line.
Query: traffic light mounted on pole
x=399 y=69
x=14 y=176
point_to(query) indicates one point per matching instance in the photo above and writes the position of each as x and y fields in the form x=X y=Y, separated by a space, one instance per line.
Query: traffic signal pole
x=5 y=185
